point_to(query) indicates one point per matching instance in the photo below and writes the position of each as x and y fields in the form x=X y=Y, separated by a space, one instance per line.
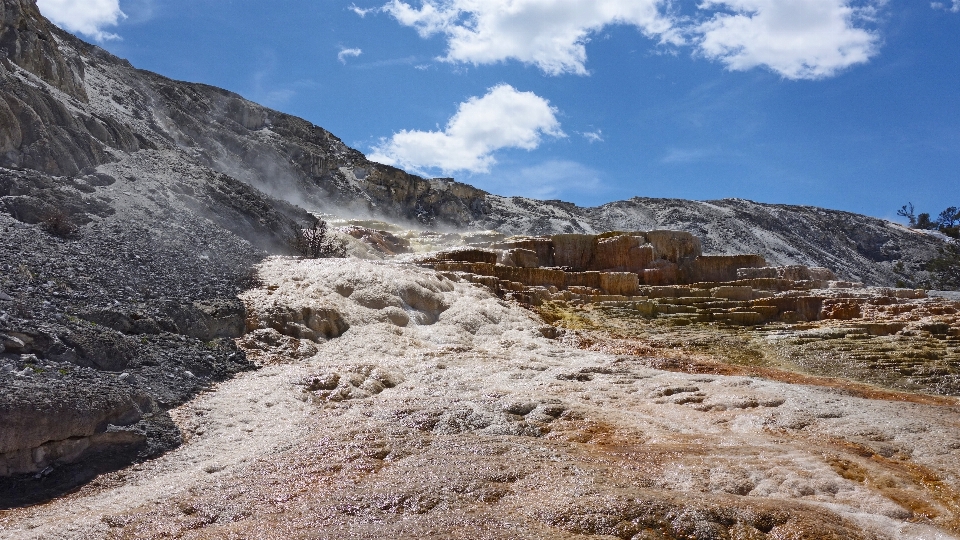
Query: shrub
x=924 y=222
x=948 y=222
x=907 y=211
x=58 y=223
x=315 y=243
x=949 y=218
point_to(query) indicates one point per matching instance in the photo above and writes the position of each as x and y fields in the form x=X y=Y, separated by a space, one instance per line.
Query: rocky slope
x=120 y=262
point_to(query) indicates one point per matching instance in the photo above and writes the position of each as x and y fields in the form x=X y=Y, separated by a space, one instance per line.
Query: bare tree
x=907 y=212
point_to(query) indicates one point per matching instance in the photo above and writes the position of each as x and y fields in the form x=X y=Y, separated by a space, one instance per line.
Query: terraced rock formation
x=899 y=338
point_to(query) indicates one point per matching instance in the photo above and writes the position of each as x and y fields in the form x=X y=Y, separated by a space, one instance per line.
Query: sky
x=844 y=104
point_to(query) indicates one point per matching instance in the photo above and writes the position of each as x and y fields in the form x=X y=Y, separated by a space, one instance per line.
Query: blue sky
x=847 y=104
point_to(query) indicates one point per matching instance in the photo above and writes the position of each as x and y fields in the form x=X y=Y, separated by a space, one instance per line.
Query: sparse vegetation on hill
x=947 y=222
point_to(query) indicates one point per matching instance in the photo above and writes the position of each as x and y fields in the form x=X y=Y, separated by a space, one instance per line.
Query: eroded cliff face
x=30 y=44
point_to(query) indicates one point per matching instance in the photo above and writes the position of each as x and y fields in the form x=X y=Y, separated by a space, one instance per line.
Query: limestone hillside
x=67 y=107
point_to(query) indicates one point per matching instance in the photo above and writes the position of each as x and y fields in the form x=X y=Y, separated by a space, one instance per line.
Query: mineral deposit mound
x=476 y=367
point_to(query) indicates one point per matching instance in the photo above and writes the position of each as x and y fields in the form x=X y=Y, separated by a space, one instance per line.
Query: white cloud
x=593 y=136
x=88 y=17
x=550 y=34
x=503 y=118
x=344 y=53
x=799 y=39
x=955 y=8
x=361 y=11
x=689 y=155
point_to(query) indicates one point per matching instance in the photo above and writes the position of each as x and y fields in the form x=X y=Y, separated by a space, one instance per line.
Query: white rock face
x=442 y=411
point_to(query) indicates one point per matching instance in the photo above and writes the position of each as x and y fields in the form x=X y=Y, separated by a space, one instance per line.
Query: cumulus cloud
x=955 y=8
x=345 y=53
x=799 y=39
x=503 y=118
x=88 y=17
x=549 y=34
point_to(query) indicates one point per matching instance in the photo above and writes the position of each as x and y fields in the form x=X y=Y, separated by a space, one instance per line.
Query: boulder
x=102 y=348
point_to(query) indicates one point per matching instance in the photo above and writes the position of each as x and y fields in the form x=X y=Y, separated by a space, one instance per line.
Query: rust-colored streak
x=909 y=484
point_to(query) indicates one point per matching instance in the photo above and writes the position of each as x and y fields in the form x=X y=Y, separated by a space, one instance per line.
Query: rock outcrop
x=87 y=420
